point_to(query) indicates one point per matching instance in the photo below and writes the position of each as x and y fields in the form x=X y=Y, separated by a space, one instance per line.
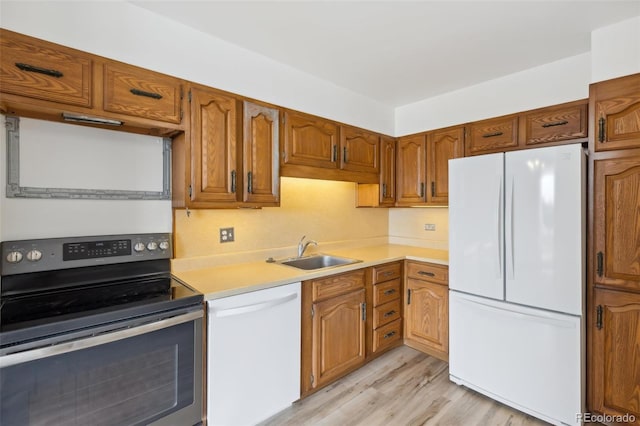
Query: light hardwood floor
x=402 y=387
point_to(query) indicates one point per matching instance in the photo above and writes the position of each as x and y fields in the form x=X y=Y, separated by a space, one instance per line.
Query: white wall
x=131 y=34
x=557 y=82
x=615 y=50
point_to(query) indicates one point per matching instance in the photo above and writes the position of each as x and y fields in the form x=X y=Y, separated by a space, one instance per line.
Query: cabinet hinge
x=189 y=96
x=600 y=263
x=190 y=191
x=363 y=307
x=313 y=311
x=599 y=317
x=312 y=379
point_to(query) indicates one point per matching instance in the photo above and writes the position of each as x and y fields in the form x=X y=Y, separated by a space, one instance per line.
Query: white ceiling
x=399 y=52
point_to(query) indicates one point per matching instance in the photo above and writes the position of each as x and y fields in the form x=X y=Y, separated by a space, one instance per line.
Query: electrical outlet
x=429 y=226
x=227 y=235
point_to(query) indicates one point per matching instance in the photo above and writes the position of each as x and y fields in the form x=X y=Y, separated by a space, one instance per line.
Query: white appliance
x=253 y=355
x=516 y=278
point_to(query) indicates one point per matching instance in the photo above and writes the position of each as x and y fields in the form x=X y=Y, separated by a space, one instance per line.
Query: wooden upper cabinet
x=554 y=124
x=615 y=106
x=442 y=145
x=617 y=222
x=615 y=351
x=310 y=141
x=37 y=69
x=387 y=171
x=141 y=93
x=493 y=135
x=411 y=168
x=360 y=150
x=213 y=146
x=260 y=150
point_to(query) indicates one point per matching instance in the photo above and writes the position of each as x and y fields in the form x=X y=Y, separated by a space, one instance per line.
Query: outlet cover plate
x=227 y=235
x=429 y=226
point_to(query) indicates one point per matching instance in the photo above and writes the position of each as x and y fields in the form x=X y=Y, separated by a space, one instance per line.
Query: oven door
x=142 y=375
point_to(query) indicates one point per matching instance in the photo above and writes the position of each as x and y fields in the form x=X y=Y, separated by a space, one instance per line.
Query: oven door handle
x=76 y=345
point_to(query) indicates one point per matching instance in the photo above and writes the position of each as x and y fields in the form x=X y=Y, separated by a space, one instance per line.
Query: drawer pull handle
x=33 y=68
x=557 y=123
x=491 y=135
x=429 y=274
x=388 y=273
x=391 y=334
x=390 y=291
x=146 y=94
x=388 y=314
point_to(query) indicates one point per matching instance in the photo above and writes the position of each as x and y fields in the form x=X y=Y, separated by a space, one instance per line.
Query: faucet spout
x=302 y=245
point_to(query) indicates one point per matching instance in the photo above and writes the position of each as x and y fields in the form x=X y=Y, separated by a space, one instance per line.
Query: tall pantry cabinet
x=614 y=249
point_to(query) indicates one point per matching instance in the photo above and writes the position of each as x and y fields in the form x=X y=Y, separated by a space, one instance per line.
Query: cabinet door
x=387 y=171
x=615 y=350
x=442 y=146
x=411 y=167
x=261 y=148
x=360 y=150
x=338 y=336
x=616 y=113
x=37 y=69
x=310 y=141
x=494 y=135
x=427 y=317
x=141 y=93
x=214 y=137
x=617 y=222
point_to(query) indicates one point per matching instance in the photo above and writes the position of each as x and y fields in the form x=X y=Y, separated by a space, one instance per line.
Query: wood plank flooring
x=402 y=387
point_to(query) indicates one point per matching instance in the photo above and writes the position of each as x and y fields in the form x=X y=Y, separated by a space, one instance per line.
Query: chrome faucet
x=302 y=245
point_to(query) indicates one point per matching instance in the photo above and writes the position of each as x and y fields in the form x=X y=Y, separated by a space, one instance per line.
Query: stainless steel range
x=95 y=330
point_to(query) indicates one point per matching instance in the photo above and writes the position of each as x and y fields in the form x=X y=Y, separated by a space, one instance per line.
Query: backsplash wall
x=322 y=210
x=407 y=226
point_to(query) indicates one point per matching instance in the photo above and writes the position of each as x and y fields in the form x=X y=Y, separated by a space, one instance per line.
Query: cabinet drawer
x=337 y=284
x=555 y=124
x=387 y=335
x=386 y=272
x=137 y=92
x=41 y=70
x=386 y=313
x=493 y=135
x=428 y=272
x=386 y=292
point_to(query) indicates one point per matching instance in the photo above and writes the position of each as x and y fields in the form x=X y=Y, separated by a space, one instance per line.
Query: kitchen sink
x=318 y=261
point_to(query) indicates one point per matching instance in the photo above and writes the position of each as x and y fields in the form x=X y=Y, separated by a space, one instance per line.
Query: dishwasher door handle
x=241 y=310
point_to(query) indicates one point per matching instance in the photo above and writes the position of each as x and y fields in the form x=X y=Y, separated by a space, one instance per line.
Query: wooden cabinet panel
x=387 y=336
x=426 y=317
x=260 y=151
x=615 y=349
x=386 y=313
x=335 y=285
x=615 y=105
x=310 y=141
x=338 y=336
x=141 y=93
x=494 y=135
x=411 y=166
x=553 y=124
x=617 y=222
x=46 y=71
x=386 y=272
x=387 y=171
x=360 y=150
x=427 y=271
x=213 y=141
x=442 y=145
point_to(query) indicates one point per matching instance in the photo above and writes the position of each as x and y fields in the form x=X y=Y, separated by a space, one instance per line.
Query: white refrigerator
x=516 y=279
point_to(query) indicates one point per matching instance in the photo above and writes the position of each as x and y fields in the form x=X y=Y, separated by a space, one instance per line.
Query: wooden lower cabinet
x=615 y=354
x=426 y=309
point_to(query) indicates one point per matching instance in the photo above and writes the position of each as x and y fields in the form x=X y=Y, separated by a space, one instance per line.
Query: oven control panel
x=60 y=253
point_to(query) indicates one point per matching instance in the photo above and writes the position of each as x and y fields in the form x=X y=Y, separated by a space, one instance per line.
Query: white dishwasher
x=253 y=355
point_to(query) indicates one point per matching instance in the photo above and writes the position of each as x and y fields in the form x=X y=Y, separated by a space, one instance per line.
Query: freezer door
x=544 y=235
x=476 y=210
x=527 y=358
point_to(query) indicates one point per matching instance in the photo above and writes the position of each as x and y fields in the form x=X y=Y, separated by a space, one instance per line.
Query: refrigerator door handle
x=500 y=227
x=509 y=228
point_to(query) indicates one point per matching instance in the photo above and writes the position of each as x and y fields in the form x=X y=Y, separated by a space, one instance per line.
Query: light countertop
x=221 y=281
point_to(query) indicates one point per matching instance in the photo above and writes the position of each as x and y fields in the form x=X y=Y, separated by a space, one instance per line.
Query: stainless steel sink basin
x=318 y=261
